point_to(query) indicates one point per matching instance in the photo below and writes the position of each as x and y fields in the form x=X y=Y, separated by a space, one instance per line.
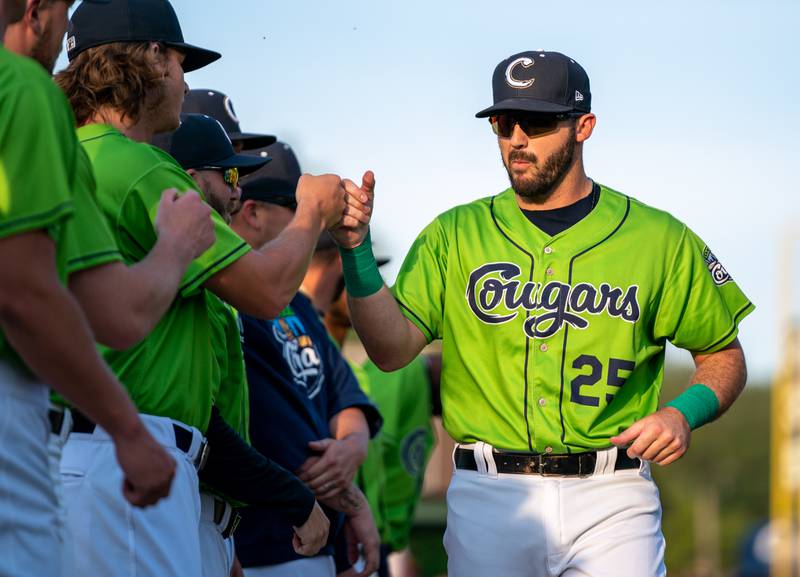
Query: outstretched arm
x=664 y=436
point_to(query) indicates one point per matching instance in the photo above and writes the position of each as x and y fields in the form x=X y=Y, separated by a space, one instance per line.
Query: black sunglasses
x=532 y=124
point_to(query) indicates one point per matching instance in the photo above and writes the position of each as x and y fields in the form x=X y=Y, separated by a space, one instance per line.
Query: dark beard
x=540 y=187
x=41 y=54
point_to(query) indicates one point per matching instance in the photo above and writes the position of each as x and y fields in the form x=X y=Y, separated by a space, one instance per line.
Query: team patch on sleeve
x=718 y=272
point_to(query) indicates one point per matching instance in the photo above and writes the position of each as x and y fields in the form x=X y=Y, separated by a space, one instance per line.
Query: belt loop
x=480 y=461
x=491 y=466
x=66 y=426
x=608 y=458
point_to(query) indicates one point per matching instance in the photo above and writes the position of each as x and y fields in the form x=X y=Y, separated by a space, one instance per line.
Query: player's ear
x=584 y=127
x=33 y=17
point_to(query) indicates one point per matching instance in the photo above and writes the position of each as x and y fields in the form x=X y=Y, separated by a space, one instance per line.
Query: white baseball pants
x=604 y=525
x=30 y=543
x=113 y=538
x=217 y=552
x=320 y=566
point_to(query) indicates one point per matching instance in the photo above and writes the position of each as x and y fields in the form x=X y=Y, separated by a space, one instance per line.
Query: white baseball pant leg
x=113 y=538
x=605 y=525
x=55 y=446
x=30 y=543
x=216 y=551
x=320 y=566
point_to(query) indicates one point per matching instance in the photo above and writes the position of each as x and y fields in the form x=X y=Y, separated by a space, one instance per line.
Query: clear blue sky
x=696 y=106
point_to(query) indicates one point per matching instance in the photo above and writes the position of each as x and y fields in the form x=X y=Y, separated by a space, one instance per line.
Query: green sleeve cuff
x=698 y=404
x=361 y=275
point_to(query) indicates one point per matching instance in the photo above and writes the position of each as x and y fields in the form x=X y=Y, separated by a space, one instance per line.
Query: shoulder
x=646 y=218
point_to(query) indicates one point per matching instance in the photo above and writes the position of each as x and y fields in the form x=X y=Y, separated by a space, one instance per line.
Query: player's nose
x=518 y=137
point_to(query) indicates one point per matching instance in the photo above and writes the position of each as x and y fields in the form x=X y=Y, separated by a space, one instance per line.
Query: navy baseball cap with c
x=219 y=106
x=99 y=22
x=200 y=142
x=539 y=82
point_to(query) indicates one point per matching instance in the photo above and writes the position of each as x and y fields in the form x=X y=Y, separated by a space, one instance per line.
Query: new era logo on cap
x=578 y=96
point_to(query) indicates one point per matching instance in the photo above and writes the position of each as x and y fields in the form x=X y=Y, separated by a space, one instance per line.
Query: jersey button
x=547 y=250
x=543 y=347
x=549 y=272
x=542 y=402
x=548 y=449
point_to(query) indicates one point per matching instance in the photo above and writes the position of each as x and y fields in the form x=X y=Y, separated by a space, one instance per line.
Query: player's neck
x=140 y=131
x=574 y=186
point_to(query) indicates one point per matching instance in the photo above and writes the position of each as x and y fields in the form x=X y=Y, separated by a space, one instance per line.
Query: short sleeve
x=146 y=192
x=37 y=155
x=701 y=306
x=86 y=241
x=420 y=285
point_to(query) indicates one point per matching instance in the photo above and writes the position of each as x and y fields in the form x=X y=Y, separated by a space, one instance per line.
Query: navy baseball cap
x=275 y=183
x=201 y=142
x=99 y=22
x=219 y=106
x=544 y=82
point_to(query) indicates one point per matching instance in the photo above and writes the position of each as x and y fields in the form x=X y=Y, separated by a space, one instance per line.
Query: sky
x=695 y=101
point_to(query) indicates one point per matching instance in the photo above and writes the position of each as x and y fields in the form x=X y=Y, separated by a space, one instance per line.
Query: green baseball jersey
x=86 y=240
x=403 y=397
x=173 y=371
x=555 y=344
x=230 y=393
x=37 y=157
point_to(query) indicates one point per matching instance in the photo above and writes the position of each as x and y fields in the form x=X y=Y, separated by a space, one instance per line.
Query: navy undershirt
x=557 y=220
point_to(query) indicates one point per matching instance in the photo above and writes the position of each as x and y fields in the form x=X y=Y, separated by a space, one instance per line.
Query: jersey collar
x=92 y=131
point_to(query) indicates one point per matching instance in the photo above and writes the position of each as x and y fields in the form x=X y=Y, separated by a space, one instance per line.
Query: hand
x=325 y=193
x=313 y=534
x=147 y=467
x=332 y=472
x=185 y=221
x=236 y=568
x=352 y=229
x=360 y=530
x=662 y=437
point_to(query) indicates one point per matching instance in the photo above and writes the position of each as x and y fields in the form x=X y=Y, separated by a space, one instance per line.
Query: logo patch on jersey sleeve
x=718 y=272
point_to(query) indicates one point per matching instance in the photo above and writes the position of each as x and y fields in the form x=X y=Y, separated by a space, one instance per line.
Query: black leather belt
x=183 y=437
x=220 y=506
x=547 y=465
x=56 y=418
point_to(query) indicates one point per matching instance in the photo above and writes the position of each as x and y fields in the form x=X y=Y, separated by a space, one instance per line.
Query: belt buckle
x=542 y=470
x=232 y=525
x=200 y=462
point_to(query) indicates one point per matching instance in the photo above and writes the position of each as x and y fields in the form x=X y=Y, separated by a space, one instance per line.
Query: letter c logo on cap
x=513 y=82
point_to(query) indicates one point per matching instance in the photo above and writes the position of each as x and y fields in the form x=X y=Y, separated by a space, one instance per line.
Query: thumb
x=368 y=183
x=627 y=436
x=320 y=445
x=168 y=197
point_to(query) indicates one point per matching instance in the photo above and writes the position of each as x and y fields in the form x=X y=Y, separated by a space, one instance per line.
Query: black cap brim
x=195 y=57
x=246 y=163
x=524 y=104
x=251 y=141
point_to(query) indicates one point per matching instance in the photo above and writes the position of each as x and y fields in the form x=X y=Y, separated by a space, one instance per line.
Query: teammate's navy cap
x=220 y=107
x=545 y=82
x=275 y=183
x=99 y=22
x=200 y=142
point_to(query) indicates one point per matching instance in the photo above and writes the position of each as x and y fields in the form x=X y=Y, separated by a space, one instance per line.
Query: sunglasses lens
x=232 y=177
x=531 y=125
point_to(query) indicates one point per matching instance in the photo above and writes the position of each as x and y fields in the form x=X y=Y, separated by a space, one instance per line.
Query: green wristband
x=361 y=275
x=698 y=404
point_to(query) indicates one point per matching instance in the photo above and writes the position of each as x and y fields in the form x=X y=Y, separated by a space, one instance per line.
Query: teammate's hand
x=236 y=568
x=185 y=221
x=313 y=534
x=332 y=472
x=325 y=194
x=362 y=540
x=147 y=467
x=661 y=438
x=354 y=225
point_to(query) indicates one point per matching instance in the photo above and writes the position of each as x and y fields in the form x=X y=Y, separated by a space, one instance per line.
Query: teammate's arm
x=44 y=325
x=664 y=436
x=124 y=303
x=262 y=282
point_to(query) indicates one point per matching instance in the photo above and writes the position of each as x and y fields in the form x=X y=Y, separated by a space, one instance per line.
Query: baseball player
x=125 y=83
x=554 y=301
x=44 y=337
x=312 y=416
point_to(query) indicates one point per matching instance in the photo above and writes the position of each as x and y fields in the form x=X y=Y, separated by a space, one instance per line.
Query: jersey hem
x=412 y=316
x=93 y=260
x=224 y=261
x=732 y=333
x=41 y=220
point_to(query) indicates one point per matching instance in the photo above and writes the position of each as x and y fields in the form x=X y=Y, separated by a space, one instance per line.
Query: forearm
x=239 y=471
x=350 y=426
x=351 y=501
x=69 y=362
x=724 y=372
x=390 y=339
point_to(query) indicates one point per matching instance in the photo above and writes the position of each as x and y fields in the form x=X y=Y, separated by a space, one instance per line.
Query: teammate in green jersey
x=45 y=338
x=554 y=301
